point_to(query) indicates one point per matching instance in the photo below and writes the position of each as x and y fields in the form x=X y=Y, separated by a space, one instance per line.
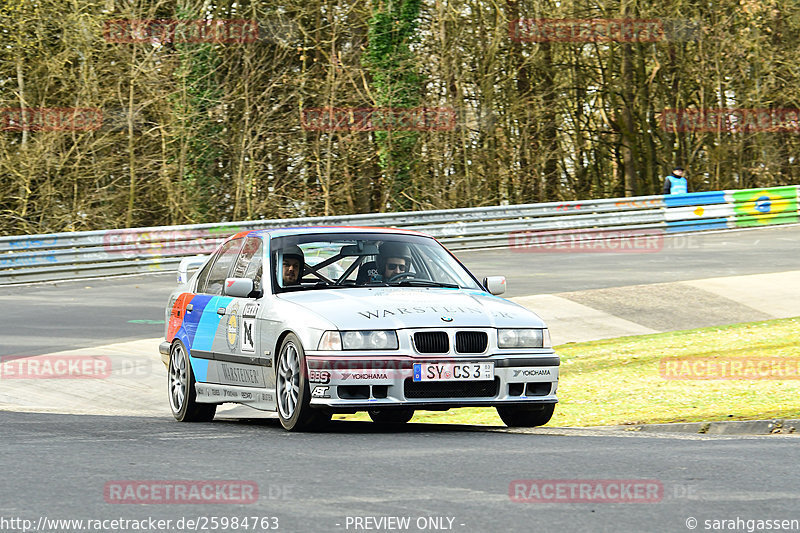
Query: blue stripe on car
x=207 y=326
x=192 y=318
x=200 y=369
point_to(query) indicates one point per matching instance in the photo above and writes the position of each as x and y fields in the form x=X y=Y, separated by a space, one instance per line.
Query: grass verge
x=622 y=381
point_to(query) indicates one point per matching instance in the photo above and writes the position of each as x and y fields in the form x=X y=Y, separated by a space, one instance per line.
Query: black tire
x=181 y=389
x=292 y=391
x=391 y=416
x=524 y=416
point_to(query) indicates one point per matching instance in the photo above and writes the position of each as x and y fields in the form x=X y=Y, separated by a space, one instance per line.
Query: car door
x=234 y=363
x=253 y=346
x=204 y=315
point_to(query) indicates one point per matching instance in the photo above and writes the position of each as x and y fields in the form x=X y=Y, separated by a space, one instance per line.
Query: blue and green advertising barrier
x=762 y=207
x=731 y=209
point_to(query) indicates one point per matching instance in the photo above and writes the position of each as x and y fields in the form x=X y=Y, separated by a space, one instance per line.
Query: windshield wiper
x=423 y=283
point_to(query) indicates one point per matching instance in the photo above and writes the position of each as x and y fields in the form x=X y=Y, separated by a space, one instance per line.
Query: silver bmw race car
x=314 y=321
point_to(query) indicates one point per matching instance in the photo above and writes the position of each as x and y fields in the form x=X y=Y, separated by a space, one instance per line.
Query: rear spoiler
x=187 y=263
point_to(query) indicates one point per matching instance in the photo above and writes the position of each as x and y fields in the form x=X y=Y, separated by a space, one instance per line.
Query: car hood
x=402 y=307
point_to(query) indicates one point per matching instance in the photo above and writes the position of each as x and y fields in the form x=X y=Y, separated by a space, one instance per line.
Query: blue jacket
x=676 y=185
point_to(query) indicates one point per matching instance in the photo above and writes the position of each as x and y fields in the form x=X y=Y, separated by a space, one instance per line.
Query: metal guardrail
x=75 y=255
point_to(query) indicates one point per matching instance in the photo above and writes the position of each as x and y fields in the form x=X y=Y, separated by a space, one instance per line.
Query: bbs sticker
x=319 y=376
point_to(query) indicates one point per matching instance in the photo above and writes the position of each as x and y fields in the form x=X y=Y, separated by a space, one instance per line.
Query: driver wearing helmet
x=293 y=261
x=394 y=258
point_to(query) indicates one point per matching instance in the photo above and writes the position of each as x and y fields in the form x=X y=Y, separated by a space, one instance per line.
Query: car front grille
x=431 y=342
x=450 y=389
x=471 y=341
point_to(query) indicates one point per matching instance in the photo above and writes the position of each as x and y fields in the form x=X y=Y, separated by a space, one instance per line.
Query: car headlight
x=331 y=341
x=523 y=338
x=359 y=340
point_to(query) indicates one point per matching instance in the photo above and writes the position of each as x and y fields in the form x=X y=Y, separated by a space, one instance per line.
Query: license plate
x=453 y=371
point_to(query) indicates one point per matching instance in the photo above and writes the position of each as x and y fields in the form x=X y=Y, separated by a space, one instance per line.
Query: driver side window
x=250 y=263
x=213 y=279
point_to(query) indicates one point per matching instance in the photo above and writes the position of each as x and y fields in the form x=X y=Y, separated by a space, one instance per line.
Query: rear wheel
x=182 y=393
x=525 y=416
x=294 y=398
x=391 y=416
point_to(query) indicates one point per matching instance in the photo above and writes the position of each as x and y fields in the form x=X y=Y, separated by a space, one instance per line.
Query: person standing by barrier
x=676 y=183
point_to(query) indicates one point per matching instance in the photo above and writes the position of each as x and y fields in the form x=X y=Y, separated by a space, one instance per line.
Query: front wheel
x=391 y=416
x=182 y=393
x=294 y=398
x=524 y=416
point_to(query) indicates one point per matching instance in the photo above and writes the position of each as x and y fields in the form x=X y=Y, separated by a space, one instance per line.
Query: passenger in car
x=393 y=258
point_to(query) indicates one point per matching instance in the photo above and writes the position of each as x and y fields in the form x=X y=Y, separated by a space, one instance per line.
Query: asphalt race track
x=359 y=476
x=316 y=482
x=672 y=258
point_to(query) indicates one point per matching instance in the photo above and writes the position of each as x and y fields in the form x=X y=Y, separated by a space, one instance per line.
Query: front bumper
x=356 y=383
x=163 y=349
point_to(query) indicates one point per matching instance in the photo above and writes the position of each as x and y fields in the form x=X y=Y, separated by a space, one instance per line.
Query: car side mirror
x=495 y=284
x=238 y=287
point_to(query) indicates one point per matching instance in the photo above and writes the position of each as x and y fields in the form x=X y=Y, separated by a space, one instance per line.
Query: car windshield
x=345 y=260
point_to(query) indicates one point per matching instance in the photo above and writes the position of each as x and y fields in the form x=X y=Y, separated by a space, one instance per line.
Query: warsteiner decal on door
x=226 y=373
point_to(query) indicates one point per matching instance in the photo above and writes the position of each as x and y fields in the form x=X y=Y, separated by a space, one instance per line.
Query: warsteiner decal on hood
x=382 y=313
x=363 y=308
